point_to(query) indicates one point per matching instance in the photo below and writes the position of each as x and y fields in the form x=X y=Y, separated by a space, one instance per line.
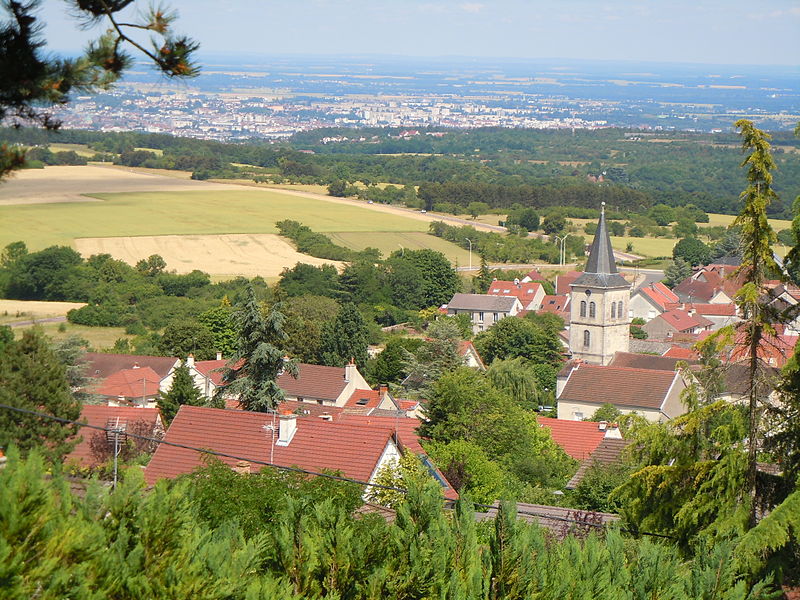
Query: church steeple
x=599 y=306
x=601 y=270
x=601 y=255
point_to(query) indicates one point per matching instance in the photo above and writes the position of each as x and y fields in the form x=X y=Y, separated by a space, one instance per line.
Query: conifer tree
x=182 y=391
x=252 y=371
x=32 y=377
x=757 y=266
x=345 y=338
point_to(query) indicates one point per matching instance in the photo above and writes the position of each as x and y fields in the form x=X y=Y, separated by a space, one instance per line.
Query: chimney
x=242 y=467
x=612 y=431
x=288 y=427
x=350 y=370
x=219 y=355
x=602 y=425
x=383 y=390
x=190 y=361
x=136 y=365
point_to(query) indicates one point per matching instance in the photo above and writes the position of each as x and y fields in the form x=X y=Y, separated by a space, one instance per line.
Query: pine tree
x=33 y=378
x=252 y=371
x=345 y=338
x=676 y=272
x=484 y=277
x=757 y=266
x=182 y=391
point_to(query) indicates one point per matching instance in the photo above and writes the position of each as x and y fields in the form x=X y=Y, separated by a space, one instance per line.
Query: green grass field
x=388 y=242
x=99 y=338
x=79 y=149
x=645 y=246
x=163 y=213
x=725 y=220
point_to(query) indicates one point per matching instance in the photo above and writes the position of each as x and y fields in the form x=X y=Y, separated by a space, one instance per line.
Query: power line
x=256 y=461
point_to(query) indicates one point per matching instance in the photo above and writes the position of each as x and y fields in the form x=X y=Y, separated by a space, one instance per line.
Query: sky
x=736 y=32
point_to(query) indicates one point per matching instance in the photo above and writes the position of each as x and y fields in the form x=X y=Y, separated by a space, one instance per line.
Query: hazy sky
x=698 y=31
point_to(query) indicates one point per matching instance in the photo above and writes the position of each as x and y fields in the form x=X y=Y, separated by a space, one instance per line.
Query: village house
x=530 y=294
x=127 y=379
x=583 y=388
x=358 y=450
x=652 y=300
x=672 y=322
x=94 y=446
x=484 y=310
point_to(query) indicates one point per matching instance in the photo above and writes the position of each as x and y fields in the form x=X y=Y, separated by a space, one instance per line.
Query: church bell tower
x=599 y=322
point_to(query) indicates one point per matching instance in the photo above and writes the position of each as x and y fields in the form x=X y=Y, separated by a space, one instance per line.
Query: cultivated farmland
x=411 y=240
x=221 y=255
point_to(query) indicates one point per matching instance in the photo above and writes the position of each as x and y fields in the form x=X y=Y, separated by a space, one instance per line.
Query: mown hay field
x=223 y=256
x=26 y=310
x=388 y=242
x=99 y=338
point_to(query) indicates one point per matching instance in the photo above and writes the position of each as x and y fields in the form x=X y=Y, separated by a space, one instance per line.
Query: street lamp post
x=562 y=256
x=470 y=253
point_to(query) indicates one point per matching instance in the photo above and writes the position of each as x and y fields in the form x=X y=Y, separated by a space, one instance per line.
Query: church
x=599 y=321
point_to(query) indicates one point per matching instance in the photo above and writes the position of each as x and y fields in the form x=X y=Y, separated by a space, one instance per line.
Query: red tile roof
x=535 y=275
x=608 y=452
x=364 y=399
x=524 y=291
x=211 y=369
x=563 y=282
x=681 y=353
x=317 y=444
x=102 y=364
x=661 y=295
x=405 y=427
x=99 y=416
x=314 y=381
x=682 y=321
x=465 y=347
x=634 y=388
x=578 y=438
x=130 y=383
x=554 y=303
x=718 y=310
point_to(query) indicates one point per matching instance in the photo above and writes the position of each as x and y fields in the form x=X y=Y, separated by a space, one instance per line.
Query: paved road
x=644 y=276
x=35 y=321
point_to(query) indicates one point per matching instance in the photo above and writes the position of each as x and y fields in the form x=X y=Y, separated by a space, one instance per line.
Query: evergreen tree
x=182 y=391
x=484 y=277
x=345 y=338
x=32 y=377
x=252 y=371
x=677 y=271
x=757 y=266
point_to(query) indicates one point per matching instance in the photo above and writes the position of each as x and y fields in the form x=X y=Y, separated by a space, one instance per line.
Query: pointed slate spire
x=601 y=271
x=601 y=255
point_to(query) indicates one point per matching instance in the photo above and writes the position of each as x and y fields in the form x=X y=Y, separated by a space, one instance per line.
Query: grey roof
x=601 y=270
x=482 y=302
x=560 y=521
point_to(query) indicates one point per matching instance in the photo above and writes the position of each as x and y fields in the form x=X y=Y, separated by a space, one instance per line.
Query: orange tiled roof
x=130 y=383
x=99 y=416
x=317 y=444
x=578 y=438
x=622 y=386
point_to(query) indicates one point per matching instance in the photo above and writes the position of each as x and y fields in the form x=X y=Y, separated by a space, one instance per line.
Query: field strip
x=249 y=255
x=26 y=310
x=59 y=184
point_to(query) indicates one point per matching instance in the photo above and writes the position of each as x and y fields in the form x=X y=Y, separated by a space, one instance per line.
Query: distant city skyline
x=726 y=32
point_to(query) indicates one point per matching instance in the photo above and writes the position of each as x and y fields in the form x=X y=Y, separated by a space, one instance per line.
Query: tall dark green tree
x=677 y=271
x=251 y=372
x=757 y=266
x=345 y=338
x=421 y=278
x=32 y=377
x=182 y=391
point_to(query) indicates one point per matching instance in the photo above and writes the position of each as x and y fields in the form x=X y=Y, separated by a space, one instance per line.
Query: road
x=644 y=277
x=36 y=321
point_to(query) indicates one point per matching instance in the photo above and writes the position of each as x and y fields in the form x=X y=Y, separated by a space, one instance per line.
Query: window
x=578 y=416
x=619 y=309
x=586 y=338
x=583 y=308
x=613 y=310
x=480 y=317
x=496 y=317
x=592 y=309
